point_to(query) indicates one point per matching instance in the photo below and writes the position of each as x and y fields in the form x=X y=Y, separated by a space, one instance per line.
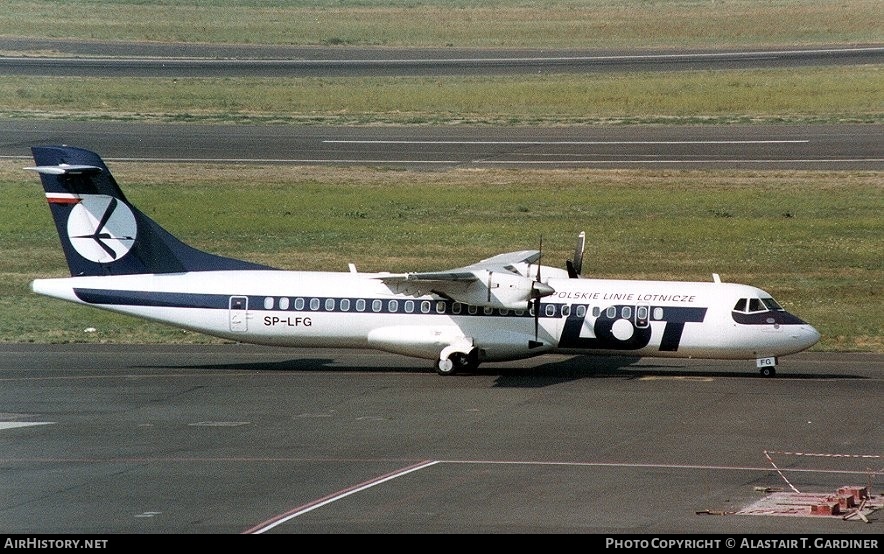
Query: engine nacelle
x=501 y=289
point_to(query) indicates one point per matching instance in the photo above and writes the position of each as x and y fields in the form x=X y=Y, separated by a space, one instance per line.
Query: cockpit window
x=755 y=305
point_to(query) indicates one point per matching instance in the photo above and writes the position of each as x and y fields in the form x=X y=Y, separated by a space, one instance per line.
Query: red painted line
x=303 y=509
x=61 y=198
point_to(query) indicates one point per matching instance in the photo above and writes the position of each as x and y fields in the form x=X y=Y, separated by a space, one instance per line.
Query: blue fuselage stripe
x=256 y=303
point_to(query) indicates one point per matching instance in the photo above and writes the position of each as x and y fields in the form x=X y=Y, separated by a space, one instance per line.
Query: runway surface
x=145 y=59
x=806 y=147
x=239 y=439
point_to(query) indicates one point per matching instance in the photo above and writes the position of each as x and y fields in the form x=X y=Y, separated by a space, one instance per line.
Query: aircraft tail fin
x=101 y=232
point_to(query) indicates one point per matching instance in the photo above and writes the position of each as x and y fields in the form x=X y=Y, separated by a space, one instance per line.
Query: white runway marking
x=564 y=142
x=19 y=424
x=291 y=514
x=733 y=161
x=282 y=518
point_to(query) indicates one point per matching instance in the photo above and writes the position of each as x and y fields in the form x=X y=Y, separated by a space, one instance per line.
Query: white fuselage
x=358 y=310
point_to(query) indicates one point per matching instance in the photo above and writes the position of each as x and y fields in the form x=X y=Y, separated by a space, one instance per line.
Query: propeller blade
x=538 y=290
x=536 y=342
x=539 y=258
x=575 y=266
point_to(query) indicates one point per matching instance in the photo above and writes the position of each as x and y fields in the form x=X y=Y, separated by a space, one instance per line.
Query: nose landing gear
x=767 y=366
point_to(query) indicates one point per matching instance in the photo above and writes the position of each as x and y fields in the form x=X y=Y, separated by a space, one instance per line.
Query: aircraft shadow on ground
x=540 y=375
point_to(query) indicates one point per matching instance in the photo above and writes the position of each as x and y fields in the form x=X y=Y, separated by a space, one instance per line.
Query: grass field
x=454 y=23
x=813 y=239
x=806 y=95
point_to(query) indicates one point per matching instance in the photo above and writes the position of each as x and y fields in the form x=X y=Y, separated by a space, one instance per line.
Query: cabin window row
x=442 y=307
x=378 y=305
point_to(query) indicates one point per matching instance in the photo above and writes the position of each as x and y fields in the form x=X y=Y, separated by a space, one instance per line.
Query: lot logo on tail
x=101 y=228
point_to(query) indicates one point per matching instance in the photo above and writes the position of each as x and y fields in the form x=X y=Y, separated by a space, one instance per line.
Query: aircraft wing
x=494 y=282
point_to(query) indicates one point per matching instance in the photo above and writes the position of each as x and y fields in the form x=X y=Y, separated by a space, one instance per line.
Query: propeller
x=575 y=266
x=538 y=291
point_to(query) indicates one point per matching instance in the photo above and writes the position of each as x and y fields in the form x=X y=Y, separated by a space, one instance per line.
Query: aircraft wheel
x=445 y=367
x=768 y=371
x=466 y=362
x=456 y=362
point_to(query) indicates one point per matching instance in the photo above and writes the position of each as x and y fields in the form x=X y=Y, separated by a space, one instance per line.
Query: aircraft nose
x=807 y=336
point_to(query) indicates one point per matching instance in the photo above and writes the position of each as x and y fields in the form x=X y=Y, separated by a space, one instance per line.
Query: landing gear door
x=239 y=311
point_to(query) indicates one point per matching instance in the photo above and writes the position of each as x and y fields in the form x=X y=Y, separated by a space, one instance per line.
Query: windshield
x=755 y=305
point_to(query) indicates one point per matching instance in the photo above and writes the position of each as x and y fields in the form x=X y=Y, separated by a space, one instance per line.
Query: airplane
x=505 y=307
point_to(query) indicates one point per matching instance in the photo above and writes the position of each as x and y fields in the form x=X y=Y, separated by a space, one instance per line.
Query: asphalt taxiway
x=231 y=439
x=836 y=147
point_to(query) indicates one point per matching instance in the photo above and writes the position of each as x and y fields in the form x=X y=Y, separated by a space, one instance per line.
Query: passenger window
x=314 y=304
x=581 y=311
x=440 y=307
x=299 y=303
x=329 y=304
x=376 y=305
x=596 y=311
x=268 y=303
x=345 y=304
x=360 y=305
x=626 y=312
x=488 y=310
x=658 y=313
x=393 y=306
x=425 y=307
x=550 y=310
x=566 y=310
x=455 y=309
x=741 y=305
x=641 y=312
x=611 y=312
x=409 y=306
x=284 y=303
x=472 y=309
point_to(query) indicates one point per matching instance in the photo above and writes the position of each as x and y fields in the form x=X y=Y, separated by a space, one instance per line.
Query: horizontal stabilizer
x=65 y=169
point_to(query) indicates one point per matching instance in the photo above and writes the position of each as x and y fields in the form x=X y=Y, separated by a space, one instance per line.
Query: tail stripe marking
x=62 y=198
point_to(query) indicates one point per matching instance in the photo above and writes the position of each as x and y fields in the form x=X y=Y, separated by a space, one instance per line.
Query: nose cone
x=806 y=336
x=541 y=290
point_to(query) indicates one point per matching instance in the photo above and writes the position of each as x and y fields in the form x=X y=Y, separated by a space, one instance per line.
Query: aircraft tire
x=768 y=372
x=446 y=367
x=458 y=362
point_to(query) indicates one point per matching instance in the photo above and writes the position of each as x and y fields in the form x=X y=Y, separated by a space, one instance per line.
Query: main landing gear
x=458 y=362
